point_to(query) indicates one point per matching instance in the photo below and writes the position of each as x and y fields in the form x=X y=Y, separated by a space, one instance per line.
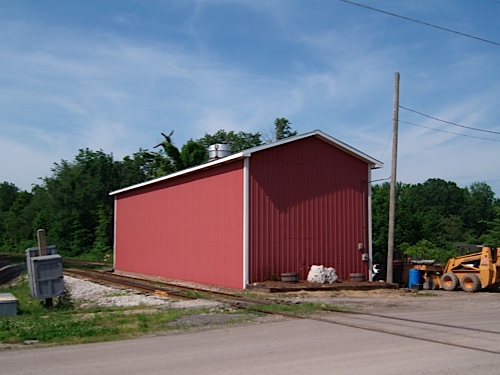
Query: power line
x=445 y=131
x=380 y=179
x=449 y=122
x=387 y=145
x=421 y=22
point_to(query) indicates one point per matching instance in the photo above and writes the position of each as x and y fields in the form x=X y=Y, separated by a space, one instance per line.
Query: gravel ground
x=91 y=294
x=382 y=300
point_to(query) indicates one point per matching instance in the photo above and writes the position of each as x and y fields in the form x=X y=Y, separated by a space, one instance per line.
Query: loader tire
x=449 y=281
x=471 y=283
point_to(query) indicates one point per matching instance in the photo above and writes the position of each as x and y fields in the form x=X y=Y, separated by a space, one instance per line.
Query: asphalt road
x=289 y=347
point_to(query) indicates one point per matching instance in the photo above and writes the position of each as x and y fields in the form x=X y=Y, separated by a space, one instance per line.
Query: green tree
x=8 y=195
x=425 y=249
x=479 y=208
x=103 y=233
x=492 y=234
x=45 y=214
x=408 y=218
x=425 y=208
x=452 y=230
x=134 y=170
x=170 y=159
x=193 y=153
x=435 y=212
x=76 y=190
x=380 y=221
x=444 y=197
x=157 y=164
x=18 y=230
x=282 y=129
x=237 y=141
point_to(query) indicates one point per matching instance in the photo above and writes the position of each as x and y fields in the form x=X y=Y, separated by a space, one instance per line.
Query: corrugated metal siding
x=187 y=228
x=306 y=208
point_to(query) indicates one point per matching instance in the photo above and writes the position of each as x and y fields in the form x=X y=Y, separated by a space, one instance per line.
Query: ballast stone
x=322 y=275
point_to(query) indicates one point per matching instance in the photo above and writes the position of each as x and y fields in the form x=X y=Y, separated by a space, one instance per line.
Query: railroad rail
x=21 y=257
x=9 y=271
x=163 y=289
x=140 y=285
x=166 y=289
x=483 y=340
x=447 y=334
x=12 y=264
x=87 y=262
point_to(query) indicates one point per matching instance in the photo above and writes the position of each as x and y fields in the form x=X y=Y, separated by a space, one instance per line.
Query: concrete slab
x=291 y=347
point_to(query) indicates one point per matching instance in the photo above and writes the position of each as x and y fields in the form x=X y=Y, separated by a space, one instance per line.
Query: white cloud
x=23 y=164
x=67 y=87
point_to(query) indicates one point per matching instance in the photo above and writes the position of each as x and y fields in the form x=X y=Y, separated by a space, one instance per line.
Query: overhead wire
x=449 y=122
x=421 y=22
x=423 y=114
x=386 y=146
x=445 y=131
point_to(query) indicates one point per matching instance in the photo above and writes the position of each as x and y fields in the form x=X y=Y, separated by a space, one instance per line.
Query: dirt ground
x=377 y=301
x=400 y=300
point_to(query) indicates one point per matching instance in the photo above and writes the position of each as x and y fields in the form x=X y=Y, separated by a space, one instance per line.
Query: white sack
x=322 y=275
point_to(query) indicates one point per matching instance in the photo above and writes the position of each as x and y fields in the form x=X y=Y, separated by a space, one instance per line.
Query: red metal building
x=251 y=216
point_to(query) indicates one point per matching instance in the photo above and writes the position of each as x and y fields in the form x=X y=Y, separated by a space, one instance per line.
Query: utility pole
x=392 y=197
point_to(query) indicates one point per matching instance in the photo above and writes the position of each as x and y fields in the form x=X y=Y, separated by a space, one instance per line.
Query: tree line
x=73 y=203
x=74 y=207
x=431 y=218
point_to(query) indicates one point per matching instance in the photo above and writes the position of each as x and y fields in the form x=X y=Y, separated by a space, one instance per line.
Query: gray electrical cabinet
x=45 y=273
x=8 y=304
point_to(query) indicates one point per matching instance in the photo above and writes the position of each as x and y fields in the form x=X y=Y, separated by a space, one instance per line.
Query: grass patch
x=253 y=294
x=425 y=294
x=67 y=323
x=52 y=328
x=296 y=309
x=70 y=322
x=195 y=294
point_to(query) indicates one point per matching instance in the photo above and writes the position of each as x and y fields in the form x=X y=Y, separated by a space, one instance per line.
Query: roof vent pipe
x=218 y=151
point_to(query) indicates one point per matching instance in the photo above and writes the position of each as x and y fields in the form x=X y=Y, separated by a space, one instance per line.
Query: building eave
x=181 y=173
x=374 y=163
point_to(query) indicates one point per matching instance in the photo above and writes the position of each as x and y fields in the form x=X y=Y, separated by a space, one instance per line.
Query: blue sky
x=113 y=75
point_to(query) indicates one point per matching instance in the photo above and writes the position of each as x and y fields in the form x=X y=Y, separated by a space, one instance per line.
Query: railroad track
x=87 y=262
x=483 y=340
x=12 y=264
x=18 y=257
x=9 y=269
x=163 y=289
x=447 y=334
x=140 y=285
x=9 y=272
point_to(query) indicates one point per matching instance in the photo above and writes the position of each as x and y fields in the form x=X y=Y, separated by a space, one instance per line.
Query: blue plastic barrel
x=413 y=277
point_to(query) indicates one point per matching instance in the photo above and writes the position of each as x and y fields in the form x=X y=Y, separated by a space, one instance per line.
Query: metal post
x=42 y=243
